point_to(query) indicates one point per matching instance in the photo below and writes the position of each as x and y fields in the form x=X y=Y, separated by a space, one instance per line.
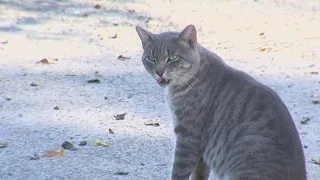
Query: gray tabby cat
x=224 y=120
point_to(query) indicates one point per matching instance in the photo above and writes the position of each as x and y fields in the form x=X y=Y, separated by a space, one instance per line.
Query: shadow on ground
x=38 y=12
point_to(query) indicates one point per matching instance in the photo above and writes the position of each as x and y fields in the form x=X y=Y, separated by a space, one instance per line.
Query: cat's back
x=252 y=125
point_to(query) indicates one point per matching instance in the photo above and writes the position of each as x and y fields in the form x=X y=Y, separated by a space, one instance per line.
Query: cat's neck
x=210 y=68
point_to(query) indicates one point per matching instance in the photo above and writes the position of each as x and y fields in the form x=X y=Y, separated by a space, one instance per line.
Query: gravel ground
x=43 y=105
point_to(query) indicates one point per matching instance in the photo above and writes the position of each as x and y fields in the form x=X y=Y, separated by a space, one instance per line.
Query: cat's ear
x=145 y=36
x=189 y=35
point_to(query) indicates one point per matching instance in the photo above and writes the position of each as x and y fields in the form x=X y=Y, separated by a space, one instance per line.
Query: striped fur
x=224 y=120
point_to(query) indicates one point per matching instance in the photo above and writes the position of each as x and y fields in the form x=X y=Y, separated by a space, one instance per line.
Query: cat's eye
x=152 y=59
x=172 y=58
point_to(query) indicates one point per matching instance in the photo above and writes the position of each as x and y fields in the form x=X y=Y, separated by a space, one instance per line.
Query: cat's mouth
x=163 y=81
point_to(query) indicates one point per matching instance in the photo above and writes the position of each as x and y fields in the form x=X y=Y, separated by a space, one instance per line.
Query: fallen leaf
x=262 y=49
x=36 y=156
x=123 y=57
x=83 y=143
x=97 y=6
x=305 y=120
x=315 y=101
x=121 y=173
x=34 y=84
x=114 y=37
x=131 y=10
x=44 y=61
x=120 y=116
x=3 y=144
x=52 y=153
x=68 y=145
x=94 y=81
x=111 y=131
x=152 y=124
x=100 y=143
x=316 y=161
x=4 y=41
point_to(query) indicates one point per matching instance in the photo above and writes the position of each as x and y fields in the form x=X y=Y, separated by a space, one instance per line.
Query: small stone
x=94 y=81
x=315 y=101
x=3 y=144
x=121 y=173
x=316 y=161
x=83 y=143
x=34 y=84
x=111 y=131
x=68 y=145
x=120 y=116
x=36 y=156
x=305 y=120
x=56 y=107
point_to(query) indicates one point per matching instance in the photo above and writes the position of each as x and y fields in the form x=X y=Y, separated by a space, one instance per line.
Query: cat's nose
x=159 y=73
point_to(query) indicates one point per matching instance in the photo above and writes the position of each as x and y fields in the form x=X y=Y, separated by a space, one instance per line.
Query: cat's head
x=172 y=58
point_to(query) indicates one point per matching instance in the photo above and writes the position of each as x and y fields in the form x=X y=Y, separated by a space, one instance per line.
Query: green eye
x=152 y=59
x=172 y=58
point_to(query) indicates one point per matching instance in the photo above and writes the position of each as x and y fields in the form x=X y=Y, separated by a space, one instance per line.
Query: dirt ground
x=45 y=104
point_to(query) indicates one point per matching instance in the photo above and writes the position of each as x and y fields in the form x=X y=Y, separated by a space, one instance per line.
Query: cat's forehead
x=165 y=39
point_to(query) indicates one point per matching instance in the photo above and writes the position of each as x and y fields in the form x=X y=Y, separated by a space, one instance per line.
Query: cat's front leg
x=187 y=155
x=202 y=171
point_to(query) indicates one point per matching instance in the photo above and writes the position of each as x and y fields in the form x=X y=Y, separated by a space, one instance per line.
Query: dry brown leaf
x=114 y=37
x=44 y=61
x=54 y=153
x=131 y=10
x=262 y=49
x=97 y=6
x=123 y=57
x=314 y=72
